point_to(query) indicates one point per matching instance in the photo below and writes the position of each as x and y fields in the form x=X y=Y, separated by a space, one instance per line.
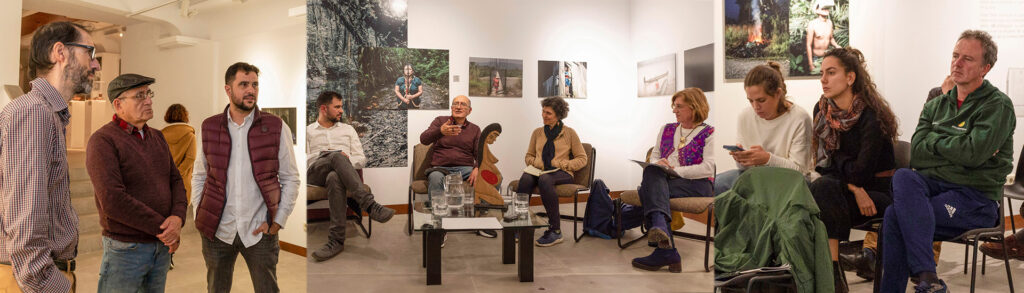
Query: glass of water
x=522 y=203
x=439 y=204
x=455 y=195
x=506 y=199
x=452 y=178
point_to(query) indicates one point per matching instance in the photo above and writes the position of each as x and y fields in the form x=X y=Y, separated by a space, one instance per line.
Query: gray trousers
x=335 y=172
x=261 y=259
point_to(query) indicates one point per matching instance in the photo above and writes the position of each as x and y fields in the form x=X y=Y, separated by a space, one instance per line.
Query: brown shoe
x=1014 y=249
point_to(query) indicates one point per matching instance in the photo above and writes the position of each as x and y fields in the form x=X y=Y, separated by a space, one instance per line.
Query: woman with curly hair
x=557 y=150
x=854 y=131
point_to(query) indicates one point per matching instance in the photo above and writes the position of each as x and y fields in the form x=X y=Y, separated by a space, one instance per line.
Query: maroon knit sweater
x=136 y=183
x=459 y=150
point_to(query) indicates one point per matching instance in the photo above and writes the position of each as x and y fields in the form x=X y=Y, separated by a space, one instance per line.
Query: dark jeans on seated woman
x=839 y=209
x=546 y=183
x=658 y=187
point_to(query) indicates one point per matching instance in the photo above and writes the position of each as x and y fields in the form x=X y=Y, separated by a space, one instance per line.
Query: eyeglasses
x=142 y=96
x=92 y=49
x=463 y=104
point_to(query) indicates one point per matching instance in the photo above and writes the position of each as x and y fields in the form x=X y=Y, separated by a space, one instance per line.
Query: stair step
x=81 y=188
x=89 y=223
x=84 y=205
x=90 y=243
x=77 y=174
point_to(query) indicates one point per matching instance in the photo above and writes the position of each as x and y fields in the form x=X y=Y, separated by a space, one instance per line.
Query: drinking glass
x=522 y=203
x=439 y=204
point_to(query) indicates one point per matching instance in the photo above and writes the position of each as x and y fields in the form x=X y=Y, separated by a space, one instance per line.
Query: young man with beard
x=244 y=186
x=40 y=229
x=333 y=153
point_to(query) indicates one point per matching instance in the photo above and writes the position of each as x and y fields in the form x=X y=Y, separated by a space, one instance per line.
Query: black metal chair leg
x=707 y=242
x=974 y=264
x=576 y=217
x=1006 y=262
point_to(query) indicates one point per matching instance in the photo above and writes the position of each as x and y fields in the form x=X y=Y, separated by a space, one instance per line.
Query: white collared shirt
x=244 y=208
x=339 y=136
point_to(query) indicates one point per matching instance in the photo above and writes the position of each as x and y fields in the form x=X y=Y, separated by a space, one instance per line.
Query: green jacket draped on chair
x=769 y=218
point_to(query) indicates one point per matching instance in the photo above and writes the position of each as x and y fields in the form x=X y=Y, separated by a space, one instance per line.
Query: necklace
x=682 y=139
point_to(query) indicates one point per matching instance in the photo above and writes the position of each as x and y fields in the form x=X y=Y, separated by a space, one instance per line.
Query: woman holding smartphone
x=685 y=147
x=772 y=132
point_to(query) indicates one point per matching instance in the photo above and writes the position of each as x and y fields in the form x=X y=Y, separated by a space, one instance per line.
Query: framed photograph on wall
x=656 y=76
x=566 y=79
x=699 y=68
x=288 y=115
x=495 y=77
x=403 y=79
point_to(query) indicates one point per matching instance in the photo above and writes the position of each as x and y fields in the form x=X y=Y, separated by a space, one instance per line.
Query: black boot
x=840 y=278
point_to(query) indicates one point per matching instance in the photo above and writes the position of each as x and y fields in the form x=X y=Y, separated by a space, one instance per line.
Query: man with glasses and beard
x=40 y=229
x=244 y=185
x=334 y=152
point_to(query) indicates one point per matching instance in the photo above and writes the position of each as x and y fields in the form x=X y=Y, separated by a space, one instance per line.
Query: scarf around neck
x=548 y=152
x=830 y=122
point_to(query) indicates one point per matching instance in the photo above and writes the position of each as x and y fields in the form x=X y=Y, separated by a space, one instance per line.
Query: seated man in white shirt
x=333 y=153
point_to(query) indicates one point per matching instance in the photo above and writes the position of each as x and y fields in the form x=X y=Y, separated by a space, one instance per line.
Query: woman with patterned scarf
x=686 y=148
x=854 y=131
x=556 y=150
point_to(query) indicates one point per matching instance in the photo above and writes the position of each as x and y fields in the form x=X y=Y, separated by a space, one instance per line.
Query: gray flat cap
x=126 y=82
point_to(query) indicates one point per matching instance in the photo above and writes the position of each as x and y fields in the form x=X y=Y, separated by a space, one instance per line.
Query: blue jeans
x=436 y=179
x=133 y=267
x=926 y=209
x=725 y=180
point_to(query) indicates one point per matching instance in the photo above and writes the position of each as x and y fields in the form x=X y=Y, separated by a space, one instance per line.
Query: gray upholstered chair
x=582 y=180
x=317 y=193
x=689 y=205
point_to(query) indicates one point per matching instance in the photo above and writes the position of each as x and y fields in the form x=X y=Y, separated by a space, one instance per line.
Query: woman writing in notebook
x=685 y=147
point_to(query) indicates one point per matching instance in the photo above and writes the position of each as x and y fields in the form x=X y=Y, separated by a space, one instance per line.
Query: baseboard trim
x=298 y=250
x=1014 y=220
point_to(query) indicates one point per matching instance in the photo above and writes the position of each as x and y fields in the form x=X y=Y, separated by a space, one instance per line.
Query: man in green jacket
x=961 y=153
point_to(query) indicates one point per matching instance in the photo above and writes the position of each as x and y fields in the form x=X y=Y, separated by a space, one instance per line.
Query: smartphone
x=733 y=148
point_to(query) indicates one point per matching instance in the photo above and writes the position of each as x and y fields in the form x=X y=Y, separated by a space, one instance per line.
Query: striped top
x=36 y=218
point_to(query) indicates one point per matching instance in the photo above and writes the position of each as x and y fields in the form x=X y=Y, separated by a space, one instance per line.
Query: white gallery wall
x=10 y=45
x=593 y=31
x=908 y=47
x=258 y=32
x=908 y=54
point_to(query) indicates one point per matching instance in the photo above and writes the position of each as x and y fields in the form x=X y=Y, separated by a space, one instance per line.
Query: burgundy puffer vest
x=264 y=144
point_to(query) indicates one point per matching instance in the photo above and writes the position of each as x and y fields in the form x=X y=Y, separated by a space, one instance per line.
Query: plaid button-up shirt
x=37 y=222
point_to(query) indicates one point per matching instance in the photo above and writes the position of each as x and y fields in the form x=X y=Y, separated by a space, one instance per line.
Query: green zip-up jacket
x=970 y=146
x=769 y=218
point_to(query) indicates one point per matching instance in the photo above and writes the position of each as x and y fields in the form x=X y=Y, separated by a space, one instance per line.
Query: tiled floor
x=189 y=274
x=390 y=261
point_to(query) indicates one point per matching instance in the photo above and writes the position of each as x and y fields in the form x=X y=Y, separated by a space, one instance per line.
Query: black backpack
x=599 y=216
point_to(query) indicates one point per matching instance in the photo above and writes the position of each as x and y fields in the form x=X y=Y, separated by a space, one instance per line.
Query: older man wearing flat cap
x=139 y=193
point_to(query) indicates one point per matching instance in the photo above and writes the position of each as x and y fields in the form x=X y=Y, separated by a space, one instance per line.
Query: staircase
x=90 y=232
